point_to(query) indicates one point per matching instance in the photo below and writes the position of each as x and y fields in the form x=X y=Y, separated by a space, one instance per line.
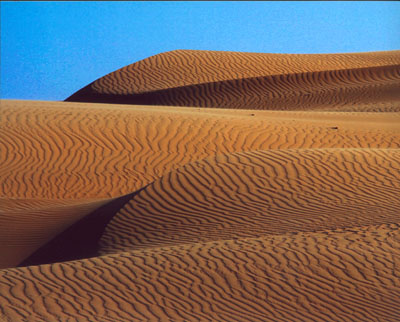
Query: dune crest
x=345 y=82
x=257 y=193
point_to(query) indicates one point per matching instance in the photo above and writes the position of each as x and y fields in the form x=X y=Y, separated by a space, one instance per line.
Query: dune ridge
x=256 y=193
x=239 y=187
x=254 y=81
x=361 y=88
x=74 y=151
x=189 y=67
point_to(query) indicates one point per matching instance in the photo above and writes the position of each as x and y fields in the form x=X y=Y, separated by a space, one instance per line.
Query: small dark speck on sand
x=334 y=127
x=252 y=114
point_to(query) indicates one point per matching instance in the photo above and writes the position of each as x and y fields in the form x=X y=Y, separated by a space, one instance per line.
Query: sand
x=344 y=82
x=207 y=186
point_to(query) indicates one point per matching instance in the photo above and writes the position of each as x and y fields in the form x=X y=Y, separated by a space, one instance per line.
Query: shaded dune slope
x=255 y=193
x=26 y=225
x=347 y=82
x=80 y=239
x=324 y=276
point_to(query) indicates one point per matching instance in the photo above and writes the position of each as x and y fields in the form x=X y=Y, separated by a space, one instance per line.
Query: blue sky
x=49 y=50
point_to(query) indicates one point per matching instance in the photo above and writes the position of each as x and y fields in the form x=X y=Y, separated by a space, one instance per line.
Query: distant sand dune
x=281 y=203
x=189 y=67
x=346 y=82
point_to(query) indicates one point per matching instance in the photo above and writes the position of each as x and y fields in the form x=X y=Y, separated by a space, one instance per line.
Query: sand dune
x=75 y=151
x=324 y=276
x=277 y=200
x=346 y=82
x=187 y=67
x=256 y=193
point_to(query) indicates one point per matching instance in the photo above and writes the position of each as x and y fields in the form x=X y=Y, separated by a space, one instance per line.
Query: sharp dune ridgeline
x=343 y=82
x=207 y=186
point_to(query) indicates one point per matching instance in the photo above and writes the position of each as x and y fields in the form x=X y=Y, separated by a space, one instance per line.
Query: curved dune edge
x=81 y=238
x=348 y=90
x=27 y=225
x=243 y=195
x=57 y=150
x=346 y=82
x=180 y=68
x=254 y=193
x=324 y=276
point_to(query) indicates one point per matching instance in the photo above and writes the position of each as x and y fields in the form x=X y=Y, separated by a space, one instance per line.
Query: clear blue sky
x=49 y=50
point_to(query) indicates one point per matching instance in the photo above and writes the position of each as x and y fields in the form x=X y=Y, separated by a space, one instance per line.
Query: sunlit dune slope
x=346 y=82
x=56 y=150
x=255 y=193
x=348 y=275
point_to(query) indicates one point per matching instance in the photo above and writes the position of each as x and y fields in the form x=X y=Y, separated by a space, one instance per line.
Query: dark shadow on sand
x=81 y=239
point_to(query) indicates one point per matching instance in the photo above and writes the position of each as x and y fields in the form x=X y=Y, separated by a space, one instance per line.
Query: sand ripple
x=266 y=189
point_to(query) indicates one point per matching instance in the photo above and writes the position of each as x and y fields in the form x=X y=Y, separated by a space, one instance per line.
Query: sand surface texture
x=207 y=186
x=344 y=82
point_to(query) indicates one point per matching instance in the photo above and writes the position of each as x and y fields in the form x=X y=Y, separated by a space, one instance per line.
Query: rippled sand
x=207 y=186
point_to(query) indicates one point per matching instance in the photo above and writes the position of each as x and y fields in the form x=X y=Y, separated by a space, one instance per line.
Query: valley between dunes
x=207 y=186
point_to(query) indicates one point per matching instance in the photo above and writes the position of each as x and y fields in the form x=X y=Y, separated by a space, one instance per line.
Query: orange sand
x=344 y=82
x=282 y=206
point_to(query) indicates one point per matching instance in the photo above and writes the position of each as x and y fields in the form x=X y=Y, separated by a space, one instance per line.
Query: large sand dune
x=255 y=193
x=346 y=82
x=75 y=150
x=284 y=205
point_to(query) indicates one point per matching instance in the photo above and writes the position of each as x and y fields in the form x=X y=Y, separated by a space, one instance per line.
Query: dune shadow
x=81 y=239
